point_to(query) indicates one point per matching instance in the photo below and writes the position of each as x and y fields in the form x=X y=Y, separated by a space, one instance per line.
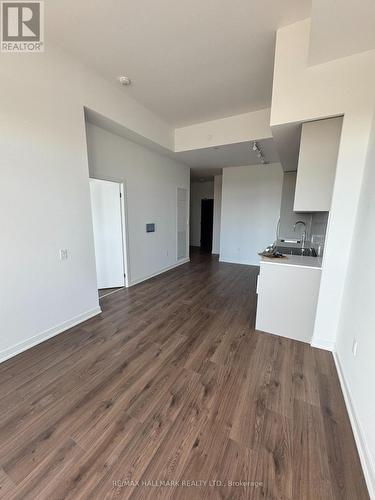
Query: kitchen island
x=288 y=290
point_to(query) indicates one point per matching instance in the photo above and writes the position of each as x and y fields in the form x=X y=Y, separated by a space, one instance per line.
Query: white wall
x=358 y=319
x=251 y=199
x=151 y=196
x=218 y=186
x=254 y=125
x=44 y=191
x=198 y=192
x=301 y=93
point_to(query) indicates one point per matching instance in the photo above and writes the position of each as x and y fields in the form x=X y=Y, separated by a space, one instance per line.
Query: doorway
x=207 y=222
x=108 y=218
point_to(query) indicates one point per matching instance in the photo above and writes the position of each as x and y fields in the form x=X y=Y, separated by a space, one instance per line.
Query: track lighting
x=257 y=149
x=124 y=80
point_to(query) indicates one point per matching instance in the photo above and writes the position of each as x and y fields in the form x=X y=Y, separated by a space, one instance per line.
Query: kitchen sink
x=308 y=252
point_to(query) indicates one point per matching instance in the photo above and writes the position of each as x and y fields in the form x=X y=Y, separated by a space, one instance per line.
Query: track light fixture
x=257 y=149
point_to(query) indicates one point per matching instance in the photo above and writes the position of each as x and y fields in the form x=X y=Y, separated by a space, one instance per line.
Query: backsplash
x=319 y=223
x=316 y=222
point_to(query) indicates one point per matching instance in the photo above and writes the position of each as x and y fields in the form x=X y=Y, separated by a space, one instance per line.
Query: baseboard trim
x=164 y=270
x=241 y=262
x=327 y=345
x=113 y=291
x=368 y=466
x=10 y=352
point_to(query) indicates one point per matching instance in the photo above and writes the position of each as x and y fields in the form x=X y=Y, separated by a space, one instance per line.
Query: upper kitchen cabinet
x=320 y=142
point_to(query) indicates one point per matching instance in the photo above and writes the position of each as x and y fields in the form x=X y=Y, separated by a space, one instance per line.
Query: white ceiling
x=341 y=28
x=210 y=161
x=190 y=60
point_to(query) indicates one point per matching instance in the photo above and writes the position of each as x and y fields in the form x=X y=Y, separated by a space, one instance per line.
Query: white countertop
x=295 y=260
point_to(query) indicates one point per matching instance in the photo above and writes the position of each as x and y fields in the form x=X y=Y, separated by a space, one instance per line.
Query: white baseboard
x=164 y=270
x=113 y=291
x=327 y=345
x=367 y=464
x=242 y=262
x=9 y=352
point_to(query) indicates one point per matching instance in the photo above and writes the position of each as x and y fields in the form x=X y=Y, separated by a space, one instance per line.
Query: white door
x=107 y=225
x=182 y=223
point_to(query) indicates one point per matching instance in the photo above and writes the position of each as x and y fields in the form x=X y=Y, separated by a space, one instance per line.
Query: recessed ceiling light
x=124 y=80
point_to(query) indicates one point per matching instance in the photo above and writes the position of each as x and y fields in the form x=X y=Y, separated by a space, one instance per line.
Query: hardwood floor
x=172 y=383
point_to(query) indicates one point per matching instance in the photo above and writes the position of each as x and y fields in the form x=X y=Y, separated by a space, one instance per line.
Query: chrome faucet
x=303 y=234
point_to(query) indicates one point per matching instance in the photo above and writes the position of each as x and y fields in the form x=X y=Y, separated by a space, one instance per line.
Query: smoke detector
x=124 y=80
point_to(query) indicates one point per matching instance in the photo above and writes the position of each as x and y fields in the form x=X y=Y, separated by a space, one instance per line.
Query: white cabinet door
x=316 y=172
x=107 y=226
x=287 y=300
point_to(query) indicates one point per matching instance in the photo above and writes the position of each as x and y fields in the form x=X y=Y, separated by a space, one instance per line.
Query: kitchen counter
x=295 y=260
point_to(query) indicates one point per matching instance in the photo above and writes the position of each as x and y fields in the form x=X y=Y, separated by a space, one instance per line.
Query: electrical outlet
x=354 y=347
x=64 y=254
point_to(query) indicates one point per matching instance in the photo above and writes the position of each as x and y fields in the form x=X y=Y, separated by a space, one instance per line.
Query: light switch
x=64 y=254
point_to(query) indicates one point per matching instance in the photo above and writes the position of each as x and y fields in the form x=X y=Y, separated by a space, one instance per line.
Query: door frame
x=187 y=224
x=124 y=221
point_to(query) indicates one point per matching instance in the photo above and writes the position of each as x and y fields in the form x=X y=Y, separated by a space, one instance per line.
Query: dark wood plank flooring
x=172 y=383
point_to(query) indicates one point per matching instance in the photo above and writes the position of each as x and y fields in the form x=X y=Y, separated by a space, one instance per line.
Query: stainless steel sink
x=308 y=252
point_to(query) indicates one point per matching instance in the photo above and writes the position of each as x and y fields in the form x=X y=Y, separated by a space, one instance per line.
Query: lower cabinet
x=287 y=300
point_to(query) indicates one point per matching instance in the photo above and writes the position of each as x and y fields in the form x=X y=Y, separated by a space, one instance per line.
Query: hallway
x=172 y=383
